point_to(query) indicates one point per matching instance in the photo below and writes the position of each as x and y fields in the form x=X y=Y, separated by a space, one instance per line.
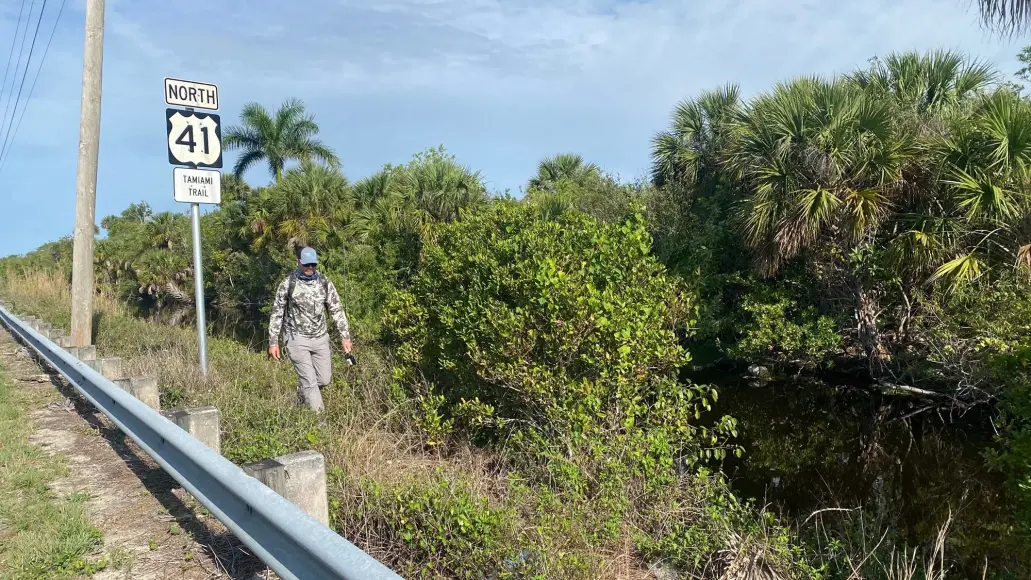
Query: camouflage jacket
x=307 y=316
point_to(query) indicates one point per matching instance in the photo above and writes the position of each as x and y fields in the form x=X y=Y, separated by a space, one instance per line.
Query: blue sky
x=500 y=84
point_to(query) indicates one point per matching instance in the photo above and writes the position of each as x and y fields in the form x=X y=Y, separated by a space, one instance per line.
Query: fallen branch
x=820 y=511
x=900 y=389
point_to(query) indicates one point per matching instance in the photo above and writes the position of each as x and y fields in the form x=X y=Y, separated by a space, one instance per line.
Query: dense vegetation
x=869 y=233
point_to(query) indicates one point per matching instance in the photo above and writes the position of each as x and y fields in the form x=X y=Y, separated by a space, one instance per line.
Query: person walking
x=299 y=311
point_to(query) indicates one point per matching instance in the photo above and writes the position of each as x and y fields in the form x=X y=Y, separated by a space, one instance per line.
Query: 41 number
x=186 y=139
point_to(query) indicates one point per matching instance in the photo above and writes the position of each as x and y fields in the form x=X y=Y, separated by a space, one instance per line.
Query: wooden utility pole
x=86 y=179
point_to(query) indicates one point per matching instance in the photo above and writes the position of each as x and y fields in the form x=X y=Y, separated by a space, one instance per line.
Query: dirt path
x=152 y=528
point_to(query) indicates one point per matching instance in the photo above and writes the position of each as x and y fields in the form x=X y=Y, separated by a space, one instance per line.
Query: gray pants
x=311 y=358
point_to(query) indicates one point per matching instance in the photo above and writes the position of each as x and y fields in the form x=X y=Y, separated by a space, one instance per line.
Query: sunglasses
x=308 y=265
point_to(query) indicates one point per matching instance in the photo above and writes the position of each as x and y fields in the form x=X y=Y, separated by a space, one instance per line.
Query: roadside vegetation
x=543 y=382
x=42 y=536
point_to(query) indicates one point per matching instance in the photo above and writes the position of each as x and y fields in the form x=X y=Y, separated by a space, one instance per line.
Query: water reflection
x=812 y=445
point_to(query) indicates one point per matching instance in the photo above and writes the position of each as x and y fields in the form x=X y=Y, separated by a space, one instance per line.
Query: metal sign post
x=198 y=289
x=195 y=140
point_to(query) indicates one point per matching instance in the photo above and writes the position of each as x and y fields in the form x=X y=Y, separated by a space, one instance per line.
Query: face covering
x=301 y=276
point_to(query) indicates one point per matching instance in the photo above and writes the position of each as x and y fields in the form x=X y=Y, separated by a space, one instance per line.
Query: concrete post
x=63 y=341
x=83 y=353
x=300 y=478
x=204 y=423
x=86 y=176
x=143 y=388
x=110 y=367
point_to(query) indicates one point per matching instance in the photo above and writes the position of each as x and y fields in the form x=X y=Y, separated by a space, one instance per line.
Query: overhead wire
x=10 y=55
x=32 y=88
x=24 y=76
x=17 y=65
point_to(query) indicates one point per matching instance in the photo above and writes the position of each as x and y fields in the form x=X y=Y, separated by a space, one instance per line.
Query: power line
x=17 y=65
x=42 y=61
x=25 y=74
x=10 y=55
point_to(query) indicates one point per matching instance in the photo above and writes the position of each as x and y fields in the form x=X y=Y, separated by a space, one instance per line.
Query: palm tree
x=815 y=157
x=287 y=135
x=396 y=205
x=378 y=185
x=436 y=185
x=312 y=201
x=820 y=164
x=689 y=152
x=928 y=83
x=922 y=154
x=166 y=230
x=305 y=207
x=984 y=202
x=564 y=166
x=967 y=200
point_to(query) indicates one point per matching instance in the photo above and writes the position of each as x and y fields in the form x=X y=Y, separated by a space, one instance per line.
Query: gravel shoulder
x=151 y=528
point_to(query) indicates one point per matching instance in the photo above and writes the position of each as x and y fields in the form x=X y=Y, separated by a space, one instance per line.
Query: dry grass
x=244 y=385
x=869 y=554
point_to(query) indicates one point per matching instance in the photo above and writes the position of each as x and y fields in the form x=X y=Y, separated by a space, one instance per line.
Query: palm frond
x=1006 y=122
x=1008 y=16
x=235 y=137
x=1024 y=257
x=813 y=210
x=247 y=160
x=257 y=117
x=866 y=209
x=962 y=270
x=980 y=196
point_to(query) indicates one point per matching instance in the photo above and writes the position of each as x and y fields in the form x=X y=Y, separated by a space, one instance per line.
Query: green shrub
x=775 y=326
x=556 y=339
x=438 y=527
x=533 y=330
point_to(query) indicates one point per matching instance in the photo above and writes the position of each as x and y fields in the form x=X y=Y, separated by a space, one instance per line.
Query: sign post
x=195 y=141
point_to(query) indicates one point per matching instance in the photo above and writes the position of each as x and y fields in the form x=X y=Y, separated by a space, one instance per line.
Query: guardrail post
x=300 y=478
x=278 y=525
x=109 y=367
x=204 y=423
x=83 y=353
x=143 y=388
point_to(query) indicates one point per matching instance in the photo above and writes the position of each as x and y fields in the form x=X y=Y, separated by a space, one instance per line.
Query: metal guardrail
x=288 y=540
